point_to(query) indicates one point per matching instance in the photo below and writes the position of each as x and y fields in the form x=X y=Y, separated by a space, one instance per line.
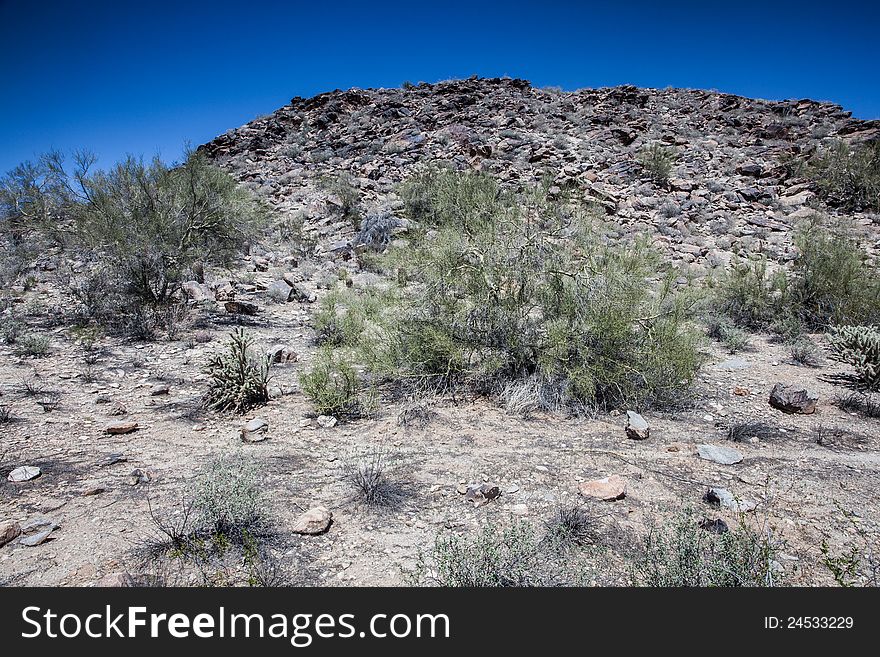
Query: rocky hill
x=729 y=191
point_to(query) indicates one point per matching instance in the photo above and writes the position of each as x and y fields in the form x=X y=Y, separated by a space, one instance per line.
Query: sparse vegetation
x=804 y=351
x=499 y=289
x=682 y=554
x=33 y=345
x=847 y=175
x=657 y=162
x=368 y=475
x=227 y=497
x=572 y=525
x=238 y=378
x=333 y=385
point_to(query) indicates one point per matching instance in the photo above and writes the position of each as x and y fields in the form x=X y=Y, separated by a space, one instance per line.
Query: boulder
x=719 y=454
x=254 y=431
x=240 y=308
x=121 y=427
x=314 y=521
x=24 y=473
x=790 y=399
x=9 y=531
x=636 y=426
x=280 y=291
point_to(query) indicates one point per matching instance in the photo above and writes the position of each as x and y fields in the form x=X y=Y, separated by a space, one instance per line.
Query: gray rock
x=197 y=292
x=280 y=353
x=38 y=525
x=721 y=497
x=733 y=364
x=789 y=399
x=254 y=431
x=280 y=291
x=37 y=539
x=327 y=421
x=719 y=454
x=636 y=426
x=24 y=473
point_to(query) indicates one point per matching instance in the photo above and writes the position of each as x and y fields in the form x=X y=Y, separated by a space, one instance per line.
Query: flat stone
x=160 y=389
x=314 y=521
x=733 y=364
x=254 y=431
x=719 y=454
x=789 y=399
x=24 y=473
x=722 y=497
x=607 y=489
x=35 y=525
x=37 y=539
x=636 y=426
x=118 y=428
x=9 y=531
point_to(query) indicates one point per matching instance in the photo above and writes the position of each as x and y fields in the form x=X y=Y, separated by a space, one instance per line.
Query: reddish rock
x=117 y=428
x=607 y=489
x=314 y=521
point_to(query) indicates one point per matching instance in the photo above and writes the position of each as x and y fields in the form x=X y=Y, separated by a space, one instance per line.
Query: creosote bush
x=333 y=385
x=227 y=497
x=657 y=162
x=495 y=288
x=238 y=377
x=683 y=554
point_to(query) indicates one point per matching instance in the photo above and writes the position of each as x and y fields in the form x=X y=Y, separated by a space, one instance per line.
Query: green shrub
x=227 y=496
x=804 y=351
x=513 y=556
x=830 y=282
x=32 y=344
x=657 y=162
x=347 y=195
x=858 y=346
x=848 y=175
x=683 y=554
x=500 y=289
x=333 y=385
x=238 y=379
x=344 y=314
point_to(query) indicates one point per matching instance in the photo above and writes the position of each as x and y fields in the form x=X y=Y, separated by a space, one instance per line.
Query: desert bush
x=858 y=346
x=238 y=378
x=5 y=414
x=368 y=475
x=348 y=196
x=741 y=430
x=34 y=198
x=512 y=556
x=657 y=162
x=499 y=289
x=804 y=351
x=227 y=497
x=830 y=282
x=683 y=554
x=333 y=385
x=32 y=344
x=572 y=525
x=847 y=175
x=344 y=314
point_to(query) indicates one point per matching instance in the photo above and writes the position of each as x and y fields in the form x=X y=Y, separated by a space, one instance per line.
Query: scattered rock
x=9 y=531
x=240 y=308
x=481 y=494
x=116 y=409
x=607 y=489
x=720 y=454
x=122 y=427
x=282 y=354
x=24 y=473
x=327 y=421
x=159 y=389
x=636 y=426
x=254 y=431
x=721 y=497
x=789 y=399
x=280 y=291
x=314 y=521
x=37 y=539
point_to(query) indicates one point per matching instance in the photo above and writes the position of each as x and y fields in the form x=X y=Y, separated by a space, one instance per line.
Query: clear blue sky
x=144 y=77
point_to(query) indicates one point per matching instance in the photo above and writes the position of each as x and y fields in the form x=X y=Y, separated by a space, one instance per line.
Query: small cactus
x=858 y=346
x=238 y=379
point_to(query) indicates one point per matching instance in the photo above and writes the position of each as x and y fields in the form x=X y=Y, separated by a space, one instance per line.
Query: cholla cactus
x=239 y=379
x=858 y=346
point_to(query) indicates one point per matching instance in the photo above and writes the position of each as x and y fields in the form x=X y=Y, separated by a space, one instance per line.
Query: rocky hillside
x=728 y=193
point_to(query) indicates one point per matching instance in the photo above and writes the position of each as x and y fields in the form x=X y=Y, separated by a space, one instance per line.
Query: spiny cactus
x=238 y=379
x=858 y=346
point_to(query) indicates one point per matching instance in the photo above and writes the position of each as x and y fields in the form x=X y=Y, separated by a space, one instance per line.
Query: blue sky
x=129 y=77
